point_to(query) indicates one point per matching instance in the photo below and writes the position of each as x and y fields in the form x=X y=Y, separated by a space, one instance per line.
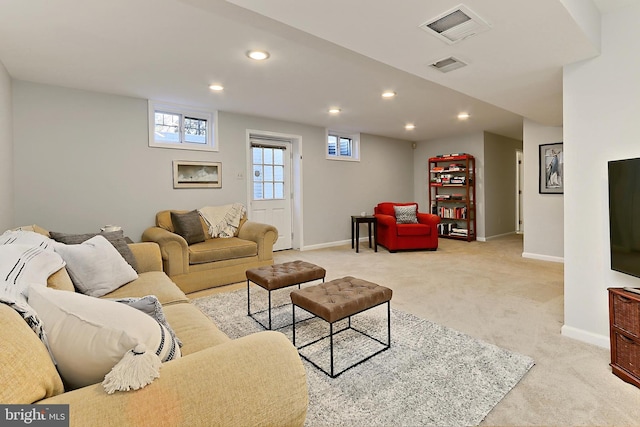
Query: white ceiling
x=324 y=53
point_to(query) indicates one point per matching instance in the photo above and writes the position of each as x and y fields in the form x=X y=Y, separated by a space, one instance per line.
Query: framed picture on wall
x=189 y=174
x=551 y=180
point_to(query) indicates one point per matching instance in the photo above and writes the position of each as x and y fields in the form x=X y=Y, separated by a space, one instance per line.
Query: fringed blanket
x=26 y=259
x=223 y=221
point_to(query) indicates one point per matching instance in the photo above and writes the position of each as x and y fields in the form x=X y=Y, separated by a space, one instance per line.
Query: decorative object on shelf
x=452 y=195
x=551 y=179
x=193 y=174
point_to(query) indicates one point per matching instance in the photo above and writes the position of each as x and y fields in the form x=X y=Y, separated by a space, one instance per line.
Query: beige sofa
x=216 y=261
x=255 y=380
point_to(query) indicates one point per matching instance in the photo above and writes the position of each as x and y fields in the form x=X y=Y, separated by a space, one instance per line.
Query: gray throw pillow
x=150 y=305
x=116 y=238
x=188 y=225
x=406 y=214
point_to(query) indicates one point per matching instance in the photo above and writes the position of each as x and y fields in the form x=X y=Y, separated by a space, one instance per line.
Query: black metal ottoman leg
x=293 y=311
x=331 y=346
x=269 y=310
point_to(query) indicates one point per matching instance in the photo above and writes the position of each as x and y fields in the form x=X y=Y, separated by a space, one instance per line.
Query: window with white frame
x=342 y=146
x=176 y=126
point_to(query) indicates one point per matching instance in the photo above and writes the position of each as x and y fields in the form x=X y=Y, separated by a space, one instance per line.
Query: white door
x=271 y=187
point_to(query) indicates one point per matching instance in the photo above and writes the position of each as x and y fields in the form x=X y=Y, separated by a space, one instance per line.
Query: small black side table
x=356 y=220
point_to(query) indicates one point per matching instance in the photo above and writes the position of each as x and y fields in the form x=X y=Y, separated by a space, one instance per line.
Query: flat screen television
x=624 y=215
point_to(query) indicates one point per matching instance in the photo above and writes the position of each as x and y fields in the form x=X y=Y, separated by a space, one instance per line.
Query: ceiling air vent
x=448 y=64
x=455 y=25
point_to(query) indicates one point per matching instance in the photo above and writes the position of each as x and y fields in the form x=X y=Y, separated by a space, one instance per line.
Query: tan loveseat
x=216 y=261
x=255 y=380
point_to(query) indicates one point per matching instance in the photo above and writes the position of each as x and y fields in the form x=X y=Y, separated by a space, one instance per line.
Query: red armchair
x=395 y=236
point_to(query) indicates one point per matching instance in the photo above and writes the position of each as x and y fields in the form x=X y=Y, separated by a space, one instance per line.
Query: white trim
x=296 y=178
x=543 y=257
x=326 y=245
x=497 y=236
x=585 y=336
x=210 y=116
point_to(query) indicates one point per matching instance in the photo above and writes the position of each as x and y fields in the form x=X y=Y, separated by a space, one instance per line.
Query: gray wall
x=543 y=213
x=500 y=195
x=6 y=151
x=472 y=144
x=82 y=161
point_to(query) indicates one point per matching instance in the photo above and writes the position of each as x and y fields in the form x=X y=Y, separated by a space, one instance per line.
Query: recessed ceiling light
x=216 y=88
x=464 y=116
x=334 y=110
x=258 y=55
x=409 y=126
x=388 y=94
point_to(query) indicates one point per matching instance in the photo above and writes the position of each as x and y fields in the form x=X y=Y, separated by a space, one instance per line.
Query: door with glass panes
x=271 y=199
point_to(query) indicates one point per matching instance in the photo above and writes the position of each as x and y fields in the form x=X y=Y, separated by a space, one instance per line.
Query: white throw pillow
x=95 y=266
x=89 y=336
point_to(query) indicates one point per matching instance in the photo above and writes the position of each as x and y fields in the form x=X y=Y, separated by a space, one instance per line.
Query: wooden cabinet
x=624 y=332
x=452 y=195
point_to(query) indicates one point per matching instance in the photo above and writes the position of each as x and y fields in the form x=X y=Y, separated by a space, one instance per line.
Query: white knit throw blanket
x=26 y=259
x=223 y=221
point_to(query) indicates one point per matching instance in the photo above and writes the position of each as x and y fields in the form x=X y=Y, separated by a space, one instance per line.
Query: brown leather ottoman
x=340 y=299
x=278 y=276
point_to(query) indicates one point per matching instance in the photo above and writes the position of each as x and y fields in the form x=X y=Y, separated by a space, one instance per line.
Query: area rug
x=431 y=375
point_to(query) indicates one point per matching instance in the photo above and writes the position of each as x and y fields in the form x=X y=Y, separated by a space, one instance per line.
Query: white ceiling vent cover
x=455 y=25
x=448 y=64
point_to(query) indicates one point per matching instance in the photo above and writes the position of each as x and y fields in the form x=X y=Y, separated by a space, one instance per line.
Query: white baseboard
x=363 y=240
x=497 y=236
x=585 y=336
x=326 y=245
x=543 y=257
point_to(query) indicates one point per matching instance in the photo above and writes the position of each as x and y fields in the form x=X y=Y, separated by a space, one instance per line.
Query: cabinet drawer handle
x=624 y=299
x=627 y=340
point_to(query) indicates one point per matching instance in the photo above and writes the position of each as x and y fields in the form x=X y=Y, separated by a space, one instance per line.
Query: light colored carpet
x=489 y=291
x=431 y=375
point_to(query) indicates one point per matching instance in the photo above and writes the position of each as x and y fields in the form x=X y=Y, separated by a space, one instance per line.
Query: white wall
x=472 y=144
x=6 y=151
x=601 y=108
x=82 y=161
x=543 y=213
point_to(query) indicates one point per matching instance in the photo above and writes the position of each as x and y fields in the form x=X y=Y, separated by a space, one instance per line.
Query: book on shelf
x=451 y=155
x=459 y=212
x=460 y=232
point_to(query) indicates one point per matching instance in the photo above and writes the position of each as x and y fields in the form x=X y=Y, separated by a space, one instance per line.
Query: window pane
x=278 y=157
x=257 y=155
x=257 y=173
x=278 y=173
x=195 y=130
x=268 y=156
x=257 y=191
x=167 y=127
x=268 y=173
x=279 y=190
x=333 y=145
x=268 y=190
x=345 y=146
